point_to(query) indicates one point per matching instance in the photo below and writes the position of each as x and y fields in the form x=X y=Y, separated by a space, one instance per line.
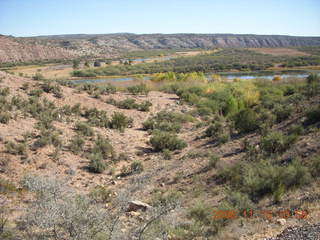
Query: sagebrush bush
x=100 y=194
x=167 y=121
x=218 y=130
x=261 y=178
x=48 y=137
x=84 y=129
x=95 y=117
x=4 y=91
x=16 y=148
x=76 y=144
x=246 y=121
x=313 y=115
x=6 y=186
x=164 y=140
x=136 y=167
x=283 y=112
x=213 y=160
x=139 y=89
x=97 y=164
x=103 y=147
x=36 y=92
x=276 y=142
x=315 y=166
x=5 y=117
x=120 y=121
x=38 y=77
x=48 y=87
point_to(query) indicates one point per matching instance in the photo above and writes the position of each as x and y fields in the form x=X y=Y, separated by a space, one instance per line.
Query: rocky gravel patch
x=307 y=232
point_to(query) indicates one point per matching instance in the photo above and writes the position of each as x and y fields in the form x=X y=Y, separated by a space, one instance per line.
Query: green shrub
x=218 y=130
x=144 y=106
x=76 y=109
x=236 y=201
x=4 y=91
x=16 y=148
x=109 y=89
x=167 y=121
x=246 y=121
x=103 y=147
x=48 y=137
x=136 y=167
x=296 y=130
x=312 y=87
x=96 y=118
x=213 y=160
x=261 y=178
x=76 y=144
x=313 y=115
x=276 y=142
x=315 y=166
x=84 y=129
x=36 y=92
x=38 y=77
x=51 y=88
x=119 y=121
x=97 y=164
x=5 y=117
x=6 y=187
x=164 y=140
x=139 y=89
x=100 y=194
x=283 y=112
x=128 y=103
x=166 y=154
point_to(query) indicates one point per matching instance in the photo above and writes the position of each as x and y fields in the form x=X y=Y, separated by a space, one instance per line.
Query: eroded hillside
x=12 y=50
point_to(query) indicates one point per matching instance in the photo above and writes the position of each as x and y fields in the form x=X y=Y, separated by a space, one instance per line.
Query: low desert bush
x=103 y=147
x=5 y=117
x=76 y=144
x=119 y=121
x=95 y=117
x=16 y=148
x=130 y=103
x=4 y=91
x=246 y=121
x=315 y=166
x=164 y=140
x=140 y=89
x=276 y=142
x=213 y=160
x=263 y=177
x=38 y=77
x=97 y=164
x=283 y=112
x=48 y=137
x=48 y=87
x=136 y=167
x=313 y=115
x=100 y=194
x=219 y=131
x=36 y=92
x=167 y=121
x=83 y=129
x=7 y=186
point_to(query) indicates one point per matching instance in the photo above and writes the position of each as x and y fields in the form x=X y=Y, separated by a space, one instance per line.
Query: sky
x=50 y=17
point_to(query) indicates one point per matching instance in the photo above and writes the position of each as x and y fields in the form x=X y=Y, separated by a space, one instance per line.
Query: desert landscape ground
x=179 y=151
x=159 y=136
